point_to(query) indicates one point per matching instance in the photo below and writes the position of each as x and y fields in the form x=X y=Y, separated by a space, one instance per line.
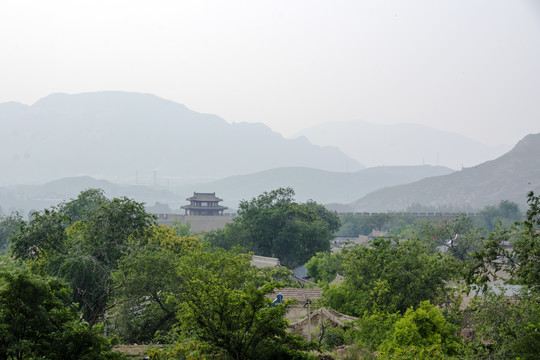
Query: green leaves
x=510 y=325
x=272 y=224
x=389 y=275
x=37 y=320
x=424 y=333
x=145 y=278
x=324 y=266
x=515 y=250
x=222 y=304
x=9 y=227
x=44 y=233
x=84 y=253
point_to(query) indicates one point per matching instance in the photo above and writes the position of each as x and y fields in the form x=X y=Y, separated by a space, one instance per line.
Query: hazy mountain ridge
x=321 y=186
x=38 y=197
x=115 y=135
x=402 y=144
x=509 y=177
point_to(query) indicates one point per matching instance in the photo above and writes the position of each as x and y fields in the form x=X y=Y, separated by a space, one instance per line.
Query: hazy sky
x=466 y=66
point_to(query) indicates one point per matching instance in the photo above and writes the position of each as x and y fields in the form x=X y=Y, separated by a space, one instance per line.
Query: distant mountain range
x=321 y=186
x=379 y=189
x=509 y=177
x=140 y=138
x=402 y=144
x=39 y=197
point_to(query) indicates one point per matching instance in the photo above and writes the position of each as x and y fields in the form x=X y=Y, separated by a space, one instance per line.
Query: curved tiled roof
x=204 y=197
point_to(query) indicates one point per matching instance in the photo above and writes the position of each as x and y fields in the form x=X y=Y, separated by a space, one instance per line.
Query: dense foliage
x=514 y=250
x=9 y=226
x=83 y=253
x=506 y=213
x=38 y=320
x=95 y=266
x=422 y=333
x=389 y=275
x=354 y=225
x=274 y=225
x=145 y=279
x=223 y=305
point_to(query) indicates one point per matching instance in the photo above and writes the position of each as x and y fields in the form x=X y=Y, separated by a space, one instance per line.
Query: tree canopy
x=274 y=225
x=514 y=249
x=389 y=275
x=93 y=262
x=9 y=226
x=223 y=305
x=145 y=278
x=38 y=320
x=82 y=252
x=422 y=333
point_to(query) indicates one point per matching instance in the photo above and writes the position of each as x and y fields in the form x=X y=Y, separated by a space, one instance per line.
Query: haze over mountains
x=133 y=137
x=119 y=141
x=509 y=177
x=319 y=185
x=402 y=144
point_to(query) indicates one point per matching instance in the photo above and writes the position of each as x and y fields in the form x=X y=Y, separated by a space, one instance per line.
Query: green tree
x=506 y=213
x=83 y=253
x=514 y=250
x=146 y=276
x=273 y=224
x=95 y=246
x=324 y=266
x=389 y=275
x=82 y=207
x=9 y=227
x=43 y=234
x=441 y=231
x=182 y=229
x=354 y=225
x=111 y=225
x=423 y=333
x=37 y=320
x=510 y=325
x=371 y=329
x=223 y=305
x=457 y=234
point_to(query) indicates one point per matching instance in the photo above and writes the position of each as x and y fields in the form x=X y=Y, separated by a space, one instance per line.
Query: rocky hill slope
x=509 y=177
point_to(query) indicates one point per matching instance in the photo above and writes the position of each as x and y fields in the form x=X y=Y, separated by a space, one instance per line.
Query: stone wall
x=198 y=223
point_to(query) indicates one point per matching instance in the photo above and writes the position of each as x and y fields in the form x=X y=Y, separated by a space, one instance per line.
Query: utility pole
x=308 y=303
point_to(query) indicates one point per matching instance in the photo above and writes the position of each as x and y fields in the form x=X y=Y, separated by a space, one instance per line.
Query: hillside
x=141 y=138
x=321 y=186
x=38 y=197
x=402 y=144
x=509 y=177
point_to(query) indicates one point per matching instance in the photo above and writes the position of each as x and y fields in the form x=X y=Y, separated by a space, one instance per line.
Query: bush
x=422 y=333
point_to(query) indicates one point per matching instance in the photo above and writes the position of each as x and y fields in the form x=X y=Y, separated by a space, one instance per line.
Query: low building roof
x=263 y=261
x=301 y=295
x=301 y=271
